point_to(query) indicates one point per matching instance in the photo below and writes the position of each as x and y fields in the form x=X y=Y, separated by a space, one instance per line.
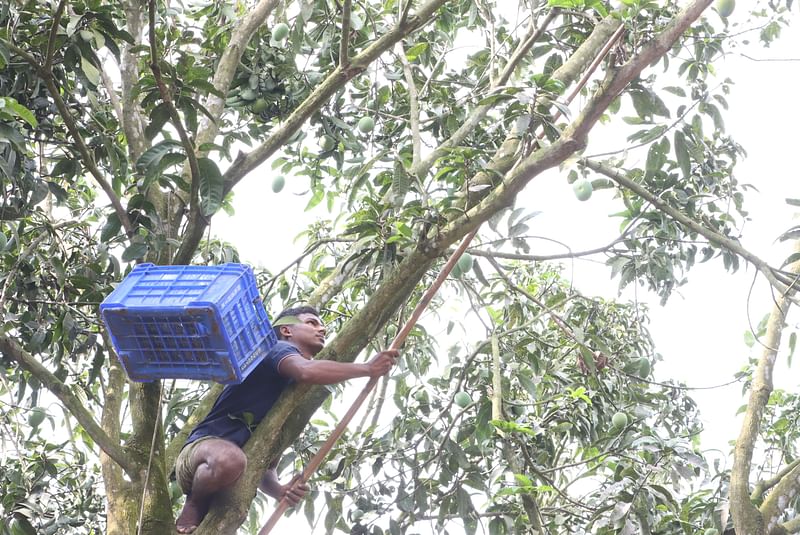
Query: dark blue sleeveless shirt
x=240 y=408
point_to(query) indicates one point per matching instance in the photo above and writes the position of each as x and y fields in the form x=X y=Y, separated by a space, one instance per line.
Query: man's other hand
x=294 y=491
x=381 y=363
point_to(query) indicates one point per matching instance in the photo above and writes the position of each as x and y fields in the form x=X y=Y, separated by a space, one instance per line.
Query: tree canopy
x=125 y=126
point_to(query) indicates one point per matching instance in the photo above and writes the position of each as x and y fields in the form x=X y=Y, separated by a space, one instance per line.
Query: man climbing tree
x=212 y=459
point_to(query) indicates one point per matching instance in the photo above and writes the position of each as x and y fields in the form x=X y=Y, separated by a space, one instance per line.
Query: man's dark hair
x=296 y=311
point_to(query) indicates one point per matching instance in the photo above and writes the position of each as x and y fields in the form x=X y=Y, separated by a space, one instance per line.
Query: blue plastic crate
x=188 y=322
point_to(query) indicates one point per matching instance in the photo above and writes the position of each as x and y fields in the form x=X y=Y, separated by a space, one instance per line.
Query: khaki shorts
x=185 y=467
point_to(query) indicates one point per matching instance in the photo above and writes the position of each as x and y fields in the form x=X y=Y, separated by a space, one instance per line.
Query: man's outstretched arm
x=327 y=372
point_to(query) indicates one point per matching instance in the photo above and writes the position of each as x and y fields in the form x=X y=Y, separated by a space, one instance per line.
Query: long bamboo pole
x=314 y=463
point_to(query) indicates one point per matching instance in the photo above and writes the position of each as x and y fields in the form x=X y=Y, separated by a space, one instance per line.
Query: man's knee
x=225 y=461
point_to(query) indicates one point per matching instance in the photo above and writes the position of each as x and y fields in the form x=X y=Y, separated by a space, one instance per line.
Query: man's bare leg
x=219 y=463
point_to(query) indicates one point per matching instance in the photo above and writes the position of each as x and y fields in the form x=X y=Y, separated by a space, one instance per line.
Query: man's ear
x=286 y=331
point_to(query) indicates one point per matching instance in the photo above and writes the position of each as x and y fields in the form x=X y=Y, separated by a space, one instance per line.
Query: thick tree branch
x=711 y=235
x=764 y=485
x=146 y=446
x=578 y=62
x=747 y=518
x=12 y=350
x=620 y=78
x=118 y=488
x=793 y=525
x=132 y=117
x=113 y=392
x=779 y=500
x=332 y=284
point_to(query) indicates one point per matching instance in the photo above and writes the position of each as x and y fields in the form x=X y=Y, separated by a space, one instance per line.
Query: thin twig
x=413 y=105
x=309 y=249
x=767 y=59
x=718 y=239
x=344 y=40
x=51 y=41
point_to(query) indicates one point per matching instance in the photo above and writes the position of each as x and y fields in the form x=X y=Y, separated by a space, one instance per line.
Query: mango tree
x=126 y=125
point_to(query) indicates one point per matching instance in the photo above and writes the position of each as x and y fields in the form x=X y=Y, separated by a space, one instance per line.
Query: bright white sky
x=700 y=332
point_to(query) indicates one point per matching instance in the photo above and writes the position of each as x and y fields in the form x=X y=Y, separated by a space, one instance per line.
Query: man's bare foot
x=191 y=516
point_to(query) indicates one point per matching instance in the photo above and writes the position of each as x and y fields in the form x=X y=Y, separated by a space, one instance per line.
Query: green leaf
x=152 y=156
x=158 y=118
x=792 y=345
x=655 y=158
x=212 y=186
x=513 y=427
x=646 y=136
x=65 y=167
x=414 y=52
x=749 y=339
x=580 y=393
x=682 y=154
x=675 y=90
x=794 y=257
x=791 y=234
x=319 y=194
x=497 y=526
x=134 y=251
x=400 y=180
x=111 y=228
x=588 y=359
x=11 y=134
x=17 y=109
x=21 y=526
x=91 y=72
